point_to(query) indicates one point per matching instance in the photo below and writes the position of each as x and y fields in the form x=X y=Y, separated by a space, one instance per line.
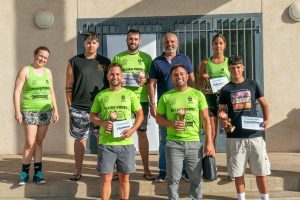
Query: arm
x=139 y=117
x=224 y=123
x=265 y=110
x=152 y=88
x=69 y=84
x=177 y=125
x=55 y=115
x=209 y=145
x=20 y=80
x=191 y=80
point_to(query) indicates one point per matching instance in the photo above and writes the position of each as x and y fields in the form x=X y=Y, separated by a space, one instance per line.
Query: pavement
x=284 y=181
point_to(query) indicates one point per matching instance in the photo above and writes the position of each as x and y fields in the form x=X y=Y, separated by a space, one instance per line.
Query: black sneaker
x=162 y=176
x=230 y=178
x=185 y=176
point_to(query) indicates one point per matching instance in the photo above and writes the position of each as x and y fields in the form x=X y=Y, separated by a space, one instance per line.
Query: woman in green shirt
x=34 y=110
x=214 y=67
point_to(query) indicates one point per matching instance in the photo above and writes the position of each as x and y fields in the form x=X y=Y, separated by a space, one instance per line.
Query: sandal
x=149 y=177
x=76 y=177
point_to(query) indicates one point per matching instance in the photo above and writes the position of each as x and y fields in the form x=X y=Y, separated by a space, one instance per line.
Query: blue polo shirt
x=160 y=70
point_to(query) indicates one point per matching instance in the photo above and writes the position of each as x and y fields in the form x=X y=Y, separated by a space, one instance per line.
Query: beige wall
x=19 y=36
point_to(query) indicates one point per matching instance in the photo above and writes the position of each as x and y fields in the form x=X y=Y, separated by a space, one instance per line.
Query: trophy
x=206 y=82
x=224 y=116
x=113 y=116
x=181 y=114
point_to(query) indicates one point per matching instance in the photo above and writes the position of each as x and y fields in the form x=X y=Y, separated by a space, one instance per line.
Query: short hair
x=235 y=60
x=177 y=66
x=135 y=31
x=170 y=33
x=92 y=36
x=112 y=65
x=41 y=48
x=219 y=35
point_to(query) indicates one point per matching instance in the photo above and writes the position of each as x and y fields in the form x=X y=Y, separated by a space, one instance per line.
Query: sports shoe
x=39 y=178
x=162 y=176
x=185 y=176
x=23 y=178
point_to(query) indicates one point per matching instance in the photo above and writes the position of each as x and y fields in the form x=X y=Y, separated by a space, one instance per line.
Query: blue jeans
x=191 y=154
x=162 y=144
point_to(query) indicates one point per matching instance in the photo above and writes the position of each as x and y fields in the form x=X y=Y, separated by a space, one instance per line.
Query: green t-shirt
x=124 y=102
x=135 y=63
x=193 y=101
x=217 y=70
x=36 y=92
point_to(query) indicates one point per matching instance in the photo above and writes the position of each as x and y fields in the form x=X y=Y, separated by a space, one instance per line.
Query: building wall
x=19 y=37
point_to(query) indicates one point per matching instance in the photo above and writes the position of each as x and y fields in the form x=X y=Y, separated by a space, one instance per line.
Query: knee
x=39 y=142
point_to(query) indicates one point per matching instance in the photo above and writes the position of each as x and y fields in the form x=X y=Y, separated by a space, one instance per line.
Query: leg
x=105 y=187
x=144 y=150
x=79 y=150
x=162 y=143
x=41 y=133
x=262 y=184
x=174 y=160
x=240 y=184
x=124 y=186
x=193 y=163
x=30 y=142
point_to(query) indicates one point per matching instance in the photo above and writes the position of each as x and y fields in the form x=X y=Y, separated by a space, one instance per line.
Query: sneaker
x=162 y=176
x=39 y=178
x=23 y=178
x=185 y=176
x=230 y=178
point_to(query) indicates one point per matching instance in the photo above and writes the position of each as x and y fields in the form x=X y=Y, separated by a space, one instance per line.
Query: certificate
x=253 y=123
x=120 y=126
x=217 y=83
x=131 y=79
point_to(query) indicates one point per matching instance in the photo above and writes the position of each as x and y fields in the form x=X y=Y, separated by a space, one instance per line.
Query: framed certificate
x=131 y=79
x=217 y=83
x=120 y=126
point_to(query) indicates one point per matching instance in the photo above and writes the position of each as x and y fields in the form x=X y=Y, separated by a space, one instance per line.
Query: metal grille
x=243 y=34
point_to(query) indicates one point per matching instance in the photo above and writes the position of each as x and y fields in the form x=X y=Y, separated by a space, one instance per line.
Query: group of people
x=100 y=98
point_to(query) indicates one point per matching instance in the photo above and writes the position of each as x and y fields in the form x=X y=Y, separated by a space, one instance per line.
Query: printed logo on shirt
x=122 y=98
x=241 y=100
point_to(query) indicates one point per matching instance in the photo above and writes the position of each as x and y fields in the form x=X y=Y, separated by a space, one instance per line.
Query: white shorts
x=241 y=151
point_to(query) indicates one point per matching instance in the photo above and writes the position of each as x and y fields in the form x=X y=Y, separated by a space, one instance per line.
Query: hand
x=55 y=116
x=153 y=111
x=265 y=125
x=127 y=133
x=18 y=117
x=179 y=125
x=209 y=149
x=108 y=125
x=142 y=81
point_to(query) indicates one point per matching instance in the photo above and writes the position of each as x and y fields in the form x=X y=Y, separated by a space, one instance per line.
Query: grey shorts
x=145 y=107
x=241 y=151
x=39 y=118
x=80 y=125
x=122 y=156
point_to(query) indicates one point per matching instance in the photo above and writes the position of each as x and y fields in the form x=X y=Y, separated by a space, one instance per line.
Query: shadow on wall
x=285 y=134
x=29 y=37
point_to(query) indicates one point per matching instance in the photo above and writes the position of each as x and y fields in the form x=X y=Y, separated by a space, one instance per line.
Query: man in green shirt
x=115 y=104
x=180 y=110
x=137 y=63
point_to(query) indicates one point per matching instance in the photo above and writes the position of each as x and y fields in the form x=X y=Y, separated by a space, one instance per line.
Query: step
x=58 y=169
x=274 y=195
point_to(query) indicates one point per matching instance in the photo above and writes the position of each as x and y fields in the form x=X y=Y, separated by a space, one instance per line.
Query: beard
x=133 y=48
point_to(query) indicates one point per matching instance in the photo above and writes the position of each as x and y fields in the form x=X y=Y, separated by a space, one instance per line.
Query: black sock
x=37 y=167
x=25 y=168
